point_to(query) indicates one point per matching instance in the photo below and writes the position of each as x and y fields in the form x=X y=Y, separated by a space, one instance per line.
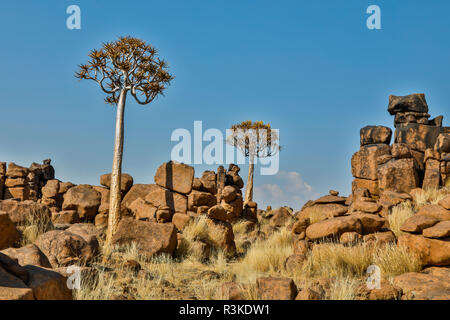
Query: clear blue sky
x=311 y=68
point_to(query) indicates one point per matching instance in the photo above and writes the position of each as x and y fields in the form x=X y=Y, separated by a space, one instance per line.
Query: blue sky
x=311 y=68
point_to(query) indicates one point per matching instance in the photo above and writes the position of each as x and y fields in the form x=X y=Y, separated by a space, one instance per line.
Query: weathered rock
x=270 y=288
x=151 y=238
x=350 y=238
x=231 y=291
x=136 y=191
x=198 y=198
x=323 y=211
x=389 y=199
x=48 y=284
x=417 y=136
x=229 y=193
x=380 y=238
x=281 y=217
x=221 y=236
x=432 y=252
x=180 y=220
x=334 y=227
x=308 y=294
x=366 y=205
x=386 y=291
x=15 y=171
x=175 y=176
x=63 y=248
x=163 y=214
x=51 y=189
x=84 y=199
x=417 y=223
x=330 y=199
x=375 y=135
x=217 y=212
x=443 y=143
x=22 y=211
x=398 y=175
x=28 y=255
x=104 y=204
x=439 y=230
x=101 y=220
x=234 y=207
x=126 y=181
x=143 y=210
x=435 y=211
x=208 y=180
x=432 y=179
x=370 y=185
x=301 y=247
x=8 y=232
x=294 y=262
x=364 y=162
x=89 y=233
x=400 y=151
x=370 y=222
x=65 y=217
x=431 y=284
x=21 y=193
x=300 y=225
x=165 y=198
x=445 y=202
x=414 y=103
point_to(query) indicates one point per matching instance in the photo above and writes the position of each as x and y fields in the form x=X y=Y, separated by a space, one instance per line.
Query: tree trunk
x=115 y=195
x=249 y=189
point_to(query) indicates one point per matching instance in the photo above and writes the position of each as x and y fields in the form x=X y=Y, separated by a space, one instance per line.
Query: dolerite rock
x=63 y=248
x=364 y=162
x=217 y=212
x=231 y=291
x=334 y=228
x=432 y=179
x=417 y=136
x=411 y=103
x=442 y=144
x=437 y=231
x=200 y=198
x=371 y=185
x=435 y=211
x=208 y=181
x=151 y=238
x=22 y=211
x=401 y=151
x=445 y=202
x=432 y=252
x=221 y=236
x=281 y=217
x=28 y=255
x=126 y=181
x=270 y=288
x=136 y=191
x=375 y=135
x=65 y=217
x=398 y=176
x=430 y=284
x=84 y=199
x=166 y=198
x=104 y=204
x=417 y=223
x=8 y=231
x=142 y=210
x=175 y=176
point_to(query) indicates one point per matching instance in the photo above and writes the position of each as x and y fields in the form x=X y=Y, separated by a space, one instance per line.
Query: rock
x=165 y=198
x=432 y=252
x=301 y=247
x=431 y=284
x=439 y=230
x=398 y=176
x=323 y=211
x=432 y=179
x=308 y=294
x=294 y=262
x=370 y=185
x=88 y=232
x=389 y=199
x=333 y=193
x=48 y=284
x=198 y=198
x=104 y=204
x=370 y=222
x=101 y=220
x=65 y=217
x=375 y=135
x=15 y=171
x=163 y=214
x=219 y=213
x=417 y=223
x=20 y=193
x=364 y=162
x=233 y=178
x=414 y=103
x=126 y=181
x=366 y=205
x=136 y=191
x=208 y=180
x=417 y=136
x=8 y=232
x=435 y=211
x=63 y=248
x=445 y=203
x=386 y=292
x=151 y=238
x=229 y=193
x=442 y=144
x=334 y=227
x=270 y=288
x=431 y=154
x=197 y=184
x=28 y=255
x=143 y=210
x=400 y=151
x=180 y=220
x=231 y=291
x=175 y=176
x=281 y=217
x=330 y=199
x=235 y=207
x=17 y=182
x=84 y=199
x=13 y=288
x=51 y=189
x=380 y=238
x=22 y=211
x=221 y=236
x=300 y=225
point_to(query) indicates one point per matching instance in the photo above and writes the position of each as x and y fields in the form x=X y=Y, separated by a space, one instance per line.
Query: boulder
x=323 y=211
x=48 y=284
x=400 y=151
x=439 y=230
x=270 y=288
x=221 y=236
x=435 y=211
x=13 y=288
x=229 y=193
x=235 y=207
x=432 y=179
x=445 y=202
x=151 y=238
x=22 y=211
x=8 y=231
x=398 y=176
x=28 y=255
x=442 y=144
x=180 y=220
x=231 y=291
x=417 y=136
x=136 y=191
x=370 y=185
x=142 y=210
x=165 y=198
x=208 y=180
x=330 y=199
x=413 y=103
x=350 y=238
x=334 y=227
x=15 y=171
x=175 y=176
x=217 y=212
x=380 y=238
x=65 y=217
x=417 y=223
x=431 y=284
x=432 y=252
x=364 y=162
x=199 y=198
x=126 y=181
x=281 y=217
x=63 y=248
x=370 y=222
x=375 y=135
x=84 y=199
x=366 y=205
x=104 y=204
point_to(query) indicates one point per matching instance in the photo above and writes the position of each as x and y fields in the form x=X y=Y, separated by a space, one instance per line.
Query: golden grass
x=398 y=216
x=34 y=226
x=343 y=288
x=430 y=196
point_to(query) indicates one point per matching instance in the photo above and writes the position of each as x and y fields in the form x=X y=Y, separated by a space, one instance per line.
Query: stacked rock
x=16 y=183
x=2 y=178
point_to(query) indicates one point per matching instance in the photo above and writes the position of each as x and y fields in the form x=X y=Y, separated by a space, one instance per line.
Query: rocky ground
x=187 y=237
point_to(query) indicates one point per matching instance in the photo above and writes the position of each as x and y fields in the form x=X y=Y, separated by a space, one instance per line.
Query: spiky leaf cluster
x=130 y=64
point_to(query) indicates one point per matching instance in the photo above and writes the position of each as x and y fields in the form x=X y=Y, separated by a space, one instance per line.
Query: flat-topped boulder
x=175 y=176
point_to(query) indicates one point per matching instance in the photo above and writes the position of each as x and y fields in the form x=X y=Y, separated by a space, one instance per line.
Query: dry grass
x=344 y=288
x=35 y=224
x=398 y=216
x=430 y=196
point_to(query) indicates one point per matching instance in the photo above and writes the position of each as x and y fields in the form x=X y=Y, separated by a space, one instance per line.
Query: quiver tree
x=127 y=65
x=254 y=140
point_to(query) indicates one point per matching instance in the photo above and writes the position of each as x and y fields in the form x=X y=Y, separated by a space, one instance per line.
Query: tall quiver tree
x=127 y=65
x=254 y=140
